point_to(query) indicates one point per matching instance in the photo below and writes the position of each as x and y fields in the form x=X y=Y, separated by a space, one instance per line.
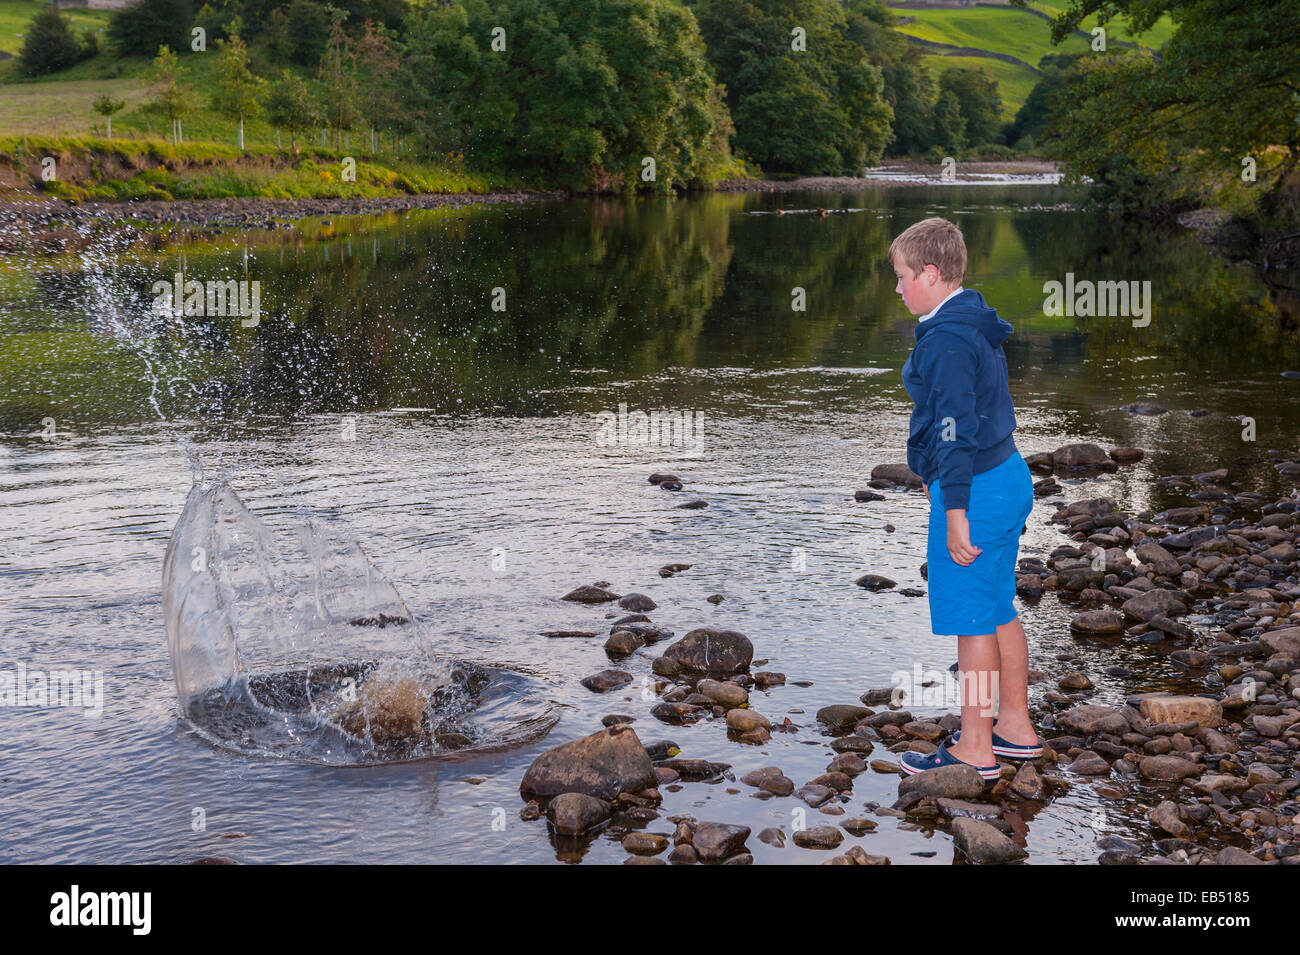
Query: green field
x=1014 y=82
x=16 y=14
x=1001 y=30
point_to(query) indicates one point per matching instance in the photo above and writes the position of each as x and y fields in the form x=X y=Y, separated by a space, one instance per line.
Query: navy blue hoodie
x=963 y=421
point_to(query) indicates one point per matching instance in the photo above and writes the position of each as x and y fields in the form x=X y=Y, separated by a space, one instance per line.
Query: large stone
x=590 y=595
x=1168 y=768
x=728 y=694
x=1155 y=603
x=897 y=473
x=1082 y=456
x=705 y=650
x=982 y=844
x=954 y=782
x=389 y=707
x=1178 y=709
x=842 y=714
x=575 y=813
x=600 y=765
x=715 y=841
x=744 y=720
x=1089 y=719
x=1167 y=818
x=1281 y=641
x=1098 y=621
x=818 y=837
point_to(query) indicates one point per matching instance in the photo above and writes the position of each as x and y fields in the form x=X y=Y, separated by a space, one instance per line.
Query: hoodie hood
x=969 y=309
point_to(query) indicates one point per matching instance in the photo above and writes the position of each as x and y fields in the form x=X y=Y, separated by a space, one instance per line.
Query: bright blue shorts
x=978 y=598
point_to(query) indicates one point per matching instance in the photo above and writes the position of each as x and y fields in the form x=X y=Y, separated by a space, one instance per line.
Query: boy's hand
x=927 y=491
x=960 y=548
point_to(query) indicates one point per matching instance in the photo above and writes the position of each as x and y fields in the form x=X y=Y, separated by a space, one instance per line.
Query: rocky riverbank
x=1211 y=766
x=54 y=226
x=898 y=173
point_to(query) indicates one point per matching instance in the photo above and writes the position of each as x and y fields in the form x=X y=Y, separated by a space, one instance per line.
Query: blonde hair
x=934 y=242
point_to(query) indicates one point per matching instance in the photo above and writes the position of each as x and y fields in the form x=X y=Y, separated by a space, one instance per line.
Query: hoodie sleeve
x=953 y=368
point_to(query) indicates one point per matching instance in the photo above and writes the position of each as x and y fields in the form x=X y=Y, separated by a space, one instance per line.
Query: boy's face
x=922 y=290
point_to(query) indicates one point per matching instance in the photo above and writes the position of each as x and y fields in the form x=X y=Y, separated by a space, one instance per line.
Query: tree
x=338 y=78
x=976 y=94
x=1177 y=130
x=377 y=67
x=172 y=96
x=815 y=108
x=143 y=26
x=593 y=93
x=300 y=31
x=48 y=44
x=291 y=106
x=106 y=106
x=239 y=93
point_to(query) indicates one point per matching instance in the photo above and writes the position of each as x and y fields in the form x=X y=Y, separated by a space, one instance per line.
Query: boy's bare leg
x=1014 y=724
x=977 y=665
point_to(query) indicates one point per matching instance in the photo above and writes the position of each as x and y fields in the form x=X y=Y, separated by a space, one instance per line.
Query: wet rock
x=1144 y=408
x=954 y=782
x=623 y=642
x=921 y=729
x=982 y=844
x=683 y=855
x=1126 y=455
x=1231 y=855
x=1118 y=851
x=1028 y=783
x=1154 y=603
x=745 y=720
x=1178 y=709
x=637 y=602
x=696 y=768
x=964 y=809
x=575 y=813
x=389 y=707
x=1083 y=455
x=765 y=678
x=667 y=570
x=1286 y=640
x=875 y=582
x=850 y=764
x=678 y=714
x=1074 y=681
x=590 y=595
x=1090 y=719
x=877 y=697
x=867 y=496
x=705 y=650
x=728 y=694
x=606 y=680
x=818 y=837
x=696 y=504
x=1166 y=817
x=715 y=841
x=1189 y=539
x=566 y=634
x=714 y=598
x=1098 y=622
x=1193 y=659
x=814 y=794
x=839 y=715
x=1089 y=763
x=600 y=765
x=897 y=474
x=645 y=843
x=1167 y=768
x=769 y=779
x=658 y=478
x=853 y=744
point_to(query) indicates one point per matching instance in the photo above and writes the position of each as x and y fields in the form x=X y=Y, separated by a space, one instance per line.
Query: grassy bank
x=121 y=169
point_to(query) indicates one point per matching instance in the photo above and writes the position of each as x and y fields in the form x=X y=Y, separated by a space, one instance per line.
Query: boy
x=980 y=492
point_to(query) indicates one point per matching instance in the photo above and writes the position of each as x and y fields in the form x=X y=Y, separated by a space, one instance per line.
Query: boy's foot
x=913 y=762
x=1015 y=745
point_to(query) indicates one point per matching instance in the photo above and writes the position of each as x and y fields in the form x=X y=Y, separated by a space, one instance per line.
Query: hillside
x=1006 y=41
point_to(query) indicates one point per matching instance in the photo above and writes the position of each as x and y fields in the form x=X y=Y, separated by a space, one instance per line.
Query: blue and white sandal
x=1009 y=750
x=913 y=762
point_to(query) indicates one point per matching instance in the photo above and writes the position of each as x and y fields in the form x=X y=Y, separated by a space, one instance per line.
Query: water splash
x=295 y=645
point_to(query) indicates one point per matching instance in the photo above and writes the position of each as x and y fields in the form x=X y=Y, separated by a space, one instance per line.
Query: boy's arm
x=952 y=376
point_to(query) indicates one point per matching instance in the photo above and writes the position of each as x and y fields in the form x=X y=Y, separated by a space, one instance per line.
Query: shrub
x=48 y=44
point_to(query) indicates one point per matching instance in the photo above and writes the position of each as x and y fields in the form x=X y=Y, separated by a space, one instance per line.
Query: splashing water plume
x=294 y=645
